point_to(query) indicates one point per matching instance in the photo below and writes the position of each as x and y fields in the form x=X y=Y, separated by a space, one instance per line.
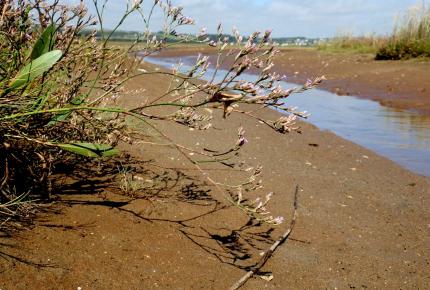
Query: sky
x=309 y=18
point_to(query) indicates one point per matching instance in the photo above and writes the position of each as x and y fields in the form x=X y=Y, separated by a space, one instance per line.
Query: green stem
x=83 y=108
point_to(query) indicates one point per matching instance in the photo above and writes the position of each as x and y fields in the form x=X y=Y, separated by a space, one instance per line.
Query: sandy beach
x=363 y=221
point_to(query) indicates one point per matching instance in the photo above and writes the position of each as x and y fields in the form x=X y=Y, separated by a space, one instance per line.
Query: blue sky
x=311 y=18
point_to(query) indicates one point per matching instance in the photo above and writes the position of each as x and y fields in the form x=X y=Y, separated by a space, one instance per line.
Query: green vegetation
x=410 y=37
x=354 y=44
x=52 y=105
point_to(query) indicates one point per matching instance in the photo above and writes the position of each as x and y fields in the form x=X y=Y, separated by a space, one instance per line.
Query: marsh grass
x=410 y=38
x=411 y=35
x=354 y=44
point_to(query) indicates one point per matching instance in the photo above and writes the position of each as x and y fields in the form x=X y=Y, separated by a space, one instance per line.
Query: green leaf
x=34 y=69
x=90 y=149
x=78 y=100
x=59 y=118
x=45 y=42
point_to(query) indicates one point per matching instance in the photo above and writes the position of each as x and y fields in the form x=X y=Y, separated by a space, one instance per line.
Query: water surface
x=401 y=136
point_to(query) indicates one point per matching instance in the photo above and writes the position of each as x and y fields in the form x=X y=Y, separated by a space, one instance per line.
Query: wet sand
x=363 y=221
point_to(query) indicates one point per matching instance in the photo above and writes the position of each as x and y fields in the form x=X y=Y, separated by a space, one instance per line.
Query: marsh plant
x=61 y=86
x=411 y=35
x=370 y=43
x=410 y=38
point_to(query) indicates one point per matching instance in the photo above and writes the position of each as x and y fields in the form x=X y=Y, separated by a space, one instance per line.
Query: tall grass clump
x=60 y=90
x=410 y=37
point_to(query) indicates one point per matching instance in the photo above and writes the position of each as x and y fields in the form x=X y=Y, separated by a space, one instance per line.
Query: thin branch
x=272 y=249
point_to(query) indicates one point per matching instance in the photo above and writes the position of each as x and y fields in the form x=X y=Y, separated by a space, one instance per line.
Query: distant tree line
x=122 y=35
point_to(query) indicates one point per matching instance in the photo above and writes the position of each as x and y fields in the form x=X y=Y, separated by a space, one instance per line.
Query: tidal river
x=401 y=136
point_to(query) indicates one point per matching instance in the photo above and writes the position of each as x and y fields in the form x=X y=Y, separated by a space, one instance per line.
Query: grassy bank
x=410 y=38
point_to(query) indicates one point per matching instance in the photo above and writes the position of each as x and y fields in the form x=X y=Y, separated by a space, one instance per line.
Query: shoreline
x=401 y=85
x=383 y=123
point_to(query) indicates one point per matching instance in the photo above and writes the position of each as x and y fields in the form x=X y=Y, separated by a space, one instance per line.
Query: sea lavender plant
x=60 y=90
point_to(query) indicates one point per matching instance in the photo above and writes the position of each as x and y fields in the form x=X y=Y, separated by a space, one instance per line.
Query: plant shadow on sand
x=120 y=185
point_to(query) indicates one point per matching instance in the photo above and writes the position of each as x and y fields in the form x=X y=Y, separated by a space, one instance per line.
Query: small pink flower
x=278 y=220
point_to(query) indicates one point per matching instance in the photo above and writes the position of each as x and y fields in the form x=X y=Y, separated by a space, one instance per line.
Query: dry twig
x=271 y=250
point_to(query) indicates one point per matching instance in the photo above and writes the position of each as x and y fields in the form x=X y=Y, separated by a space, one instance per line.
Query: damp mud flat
x=363 y=220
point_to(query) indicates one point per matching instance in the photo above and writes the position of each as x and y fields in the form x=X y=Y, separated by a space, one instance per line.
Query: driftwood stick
x=271 y=250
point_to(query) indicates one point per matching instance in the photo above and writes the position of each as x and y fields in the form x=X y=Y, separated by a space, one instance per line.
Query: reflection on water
x=402 y=136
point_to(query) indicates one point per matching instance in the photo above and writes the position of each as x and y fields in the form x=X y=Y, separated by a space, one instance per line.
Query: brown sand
x=363 y=223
